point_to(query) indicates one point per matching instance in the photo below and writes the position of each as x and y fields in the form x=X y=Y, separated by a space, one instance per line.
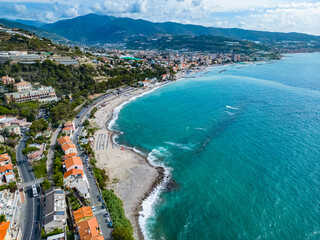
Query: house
x=69 y=148
x=36 y=155
x=67 y=131
x=4 y=231
x=59 y=236
x=5 y=159
x=7 y=80
x=73 y=163
x=82 y=214
x=6 y=173
x=67 y=156
x=55 y=206
x=14 y=128
x=70 y=124
x=75 y=178
x=89 y=229
x=22 y=86
x=64 y=140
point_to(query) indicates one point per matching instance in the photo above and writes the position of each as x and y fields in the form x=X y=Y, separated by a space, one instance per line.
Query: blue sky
x=270 y=15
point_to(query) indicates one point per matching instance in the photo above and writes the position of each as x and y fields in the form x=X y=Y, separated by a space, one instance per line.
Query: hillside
x=106 y=29
x=196 y=43
x=9 y=42
x=38 y=31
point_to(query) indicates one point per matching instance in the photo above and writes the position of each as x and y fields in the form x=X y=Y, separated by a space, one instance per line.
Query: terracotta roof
x=73 y=172
x=71 y=161
x=82 y=214
x=68 y=146
x=70 y=155
x=5 y=168
x=22 y=83
x=4 y=157
x=89 y=229
x=66 y=129
x=64 y=140
x=3 y=229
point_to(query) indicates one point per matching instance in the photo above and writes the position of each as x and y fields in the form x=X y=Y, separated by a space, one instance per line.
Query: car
x=93 y=208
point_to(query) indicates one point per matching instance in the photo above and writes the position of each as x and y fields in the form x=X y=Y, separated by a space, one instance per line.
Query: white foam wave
x=180 y=145
x=149 y=203
x=202 y=129
x=234 y=108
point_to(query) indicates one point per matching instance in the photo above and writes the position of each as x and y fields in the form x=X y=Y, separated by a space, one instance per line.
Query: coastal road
x=31 y=215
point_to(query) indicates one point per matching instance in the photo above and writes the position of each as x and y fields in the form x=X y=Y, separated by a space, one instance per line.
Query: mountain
x=80 y=28
x=28 y=22
x=104 y=29
x=38 y=31
x=196 y=43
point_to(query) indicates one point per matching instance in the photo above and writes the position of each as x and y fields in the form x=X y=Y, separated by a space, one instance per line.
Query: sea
x=242 y=145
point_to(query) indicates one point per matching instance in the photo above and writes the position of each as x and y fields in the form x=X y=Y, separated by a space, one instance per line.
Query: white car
x=93 y=208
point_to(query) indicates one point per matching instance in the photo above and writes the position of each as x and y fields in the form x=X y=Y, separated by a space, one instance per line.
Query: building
x=7 y=80
x=64 y=140
x=55 y=210
x=43 y=94
x=6 y=174
x=68 y=128
x=22 y=86
x=73 y=163
x=69 y=148
x=14 y=128
x=1 y=139
x=4 y=231
x=36 y=155
x=10 y=206
x=67 y=131
x=75 y=178
x=6 y=121
x=5 y=159
x=89 y=229
x=59 y=236
x=82 y=214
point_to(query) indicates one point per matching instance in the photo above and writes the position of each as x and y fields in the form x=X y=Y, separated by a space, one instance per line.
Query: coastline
x=131 y=175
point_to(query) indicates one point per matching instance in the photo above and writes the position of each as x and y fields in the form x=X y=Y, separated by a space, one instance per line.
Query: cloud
x=272 y=15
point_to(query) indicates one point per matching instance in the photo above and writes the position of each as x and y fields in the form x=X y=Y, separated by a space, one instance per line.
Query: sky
x=269 y=15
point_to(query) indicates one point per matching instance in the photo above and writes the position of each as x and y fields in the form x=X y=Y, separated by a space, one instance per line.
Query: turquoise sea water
x=243 y=146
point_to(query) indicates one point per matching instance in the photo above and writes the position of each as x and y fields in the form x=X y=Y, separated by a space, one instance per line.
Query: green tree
x=122 y=234
x=2 y=218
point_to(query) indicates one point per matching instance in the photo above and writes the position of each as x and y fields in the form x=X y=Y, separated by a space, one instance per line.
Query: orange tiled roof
x=5 y=168
x=66 y=128
x=64 y=140
x=21 y=84
x=68 y=146
x=89 y=229
x=3 y=229
x=4 y=157
x=73 y=172
x=82 y=213
x=71 y=161
x=70 y=155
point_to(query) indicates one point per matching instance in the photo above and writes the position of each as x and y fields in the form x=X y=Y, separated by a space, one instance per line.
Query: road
x=51 y=152
x=31 y=215
x=93 y=189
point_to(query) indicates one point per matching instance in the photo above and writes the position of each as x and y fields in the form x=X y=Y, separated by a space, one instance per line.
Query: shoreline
x=134 y=162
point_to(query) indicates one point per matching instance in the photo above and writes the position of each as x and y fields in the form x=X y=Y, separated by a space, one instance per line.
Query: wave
x=149 y=203
x=234 y=108
x=202 y=129
x=180 y=145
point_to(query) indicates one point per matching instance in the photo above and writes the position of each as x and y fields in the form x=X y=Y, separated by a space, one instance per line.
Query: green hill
x=105 y=29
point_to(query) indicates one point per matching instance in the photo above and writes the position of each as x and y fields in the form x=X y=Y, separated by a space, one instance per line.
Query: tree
x=122 y=234
x=38 y=125
x=2 y=218
x=46 y=184
x=86 y=123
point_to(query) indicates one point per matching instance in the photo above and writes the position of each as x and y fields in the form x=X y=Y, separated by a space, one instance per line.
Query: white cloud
x=273 y=15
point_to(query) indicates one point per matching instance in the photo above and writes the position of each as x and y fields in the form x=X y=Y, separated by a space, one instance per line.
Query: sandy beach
x=130 y=175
